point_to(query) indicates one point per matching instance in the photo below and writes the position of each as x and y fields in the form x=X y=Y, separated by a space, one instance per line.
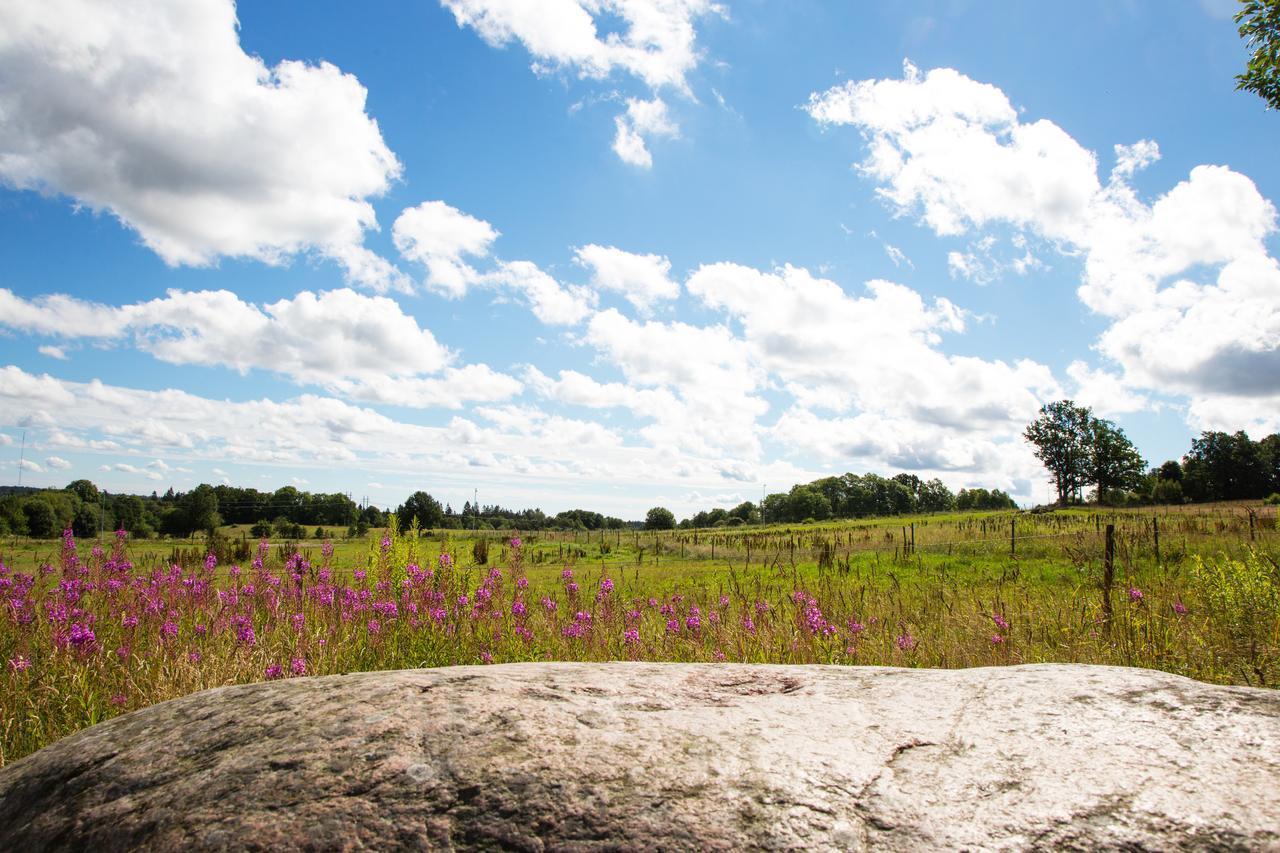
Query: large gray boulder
x=668 y=756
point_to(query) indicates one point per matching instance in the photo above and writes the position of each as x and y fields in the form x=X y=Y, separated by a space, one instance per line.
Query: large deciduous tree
x=1062 y=436
x=1080 y=450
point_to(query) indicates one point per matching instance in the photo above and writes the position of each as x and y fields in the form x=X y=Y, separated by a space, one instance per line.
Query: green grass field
x=94 y=632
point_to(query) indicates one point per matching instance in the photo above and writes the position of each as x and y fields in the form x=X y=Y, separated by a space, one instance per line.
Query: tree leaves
x=1259 y=22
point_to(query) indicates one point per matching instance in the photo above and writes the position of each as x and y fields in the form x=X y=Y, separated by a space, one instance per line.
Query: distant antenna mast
x=22 y=452
x=475 y=509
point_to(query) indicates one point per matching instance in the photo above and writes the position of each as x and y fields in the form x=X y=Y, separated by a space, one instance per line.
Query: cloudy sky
x=613 y=253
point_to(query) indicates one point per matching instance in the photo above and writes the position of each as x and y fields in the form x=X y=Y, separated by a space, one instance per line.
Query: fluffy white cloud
x=153 y=112
x=439 y=237
x=53 y=352
x=643 y=119
x=30 y=465
x=643 y=279
x=876 y=353
x=1258 y=416
x=705 y=390
x=551 y=302
x=57 y=463
x=1134 y=158
x=955 y=150
x=1105 y=393
x=694 y=386
x=654 y=44
x=1186 y=281
x=362 y=346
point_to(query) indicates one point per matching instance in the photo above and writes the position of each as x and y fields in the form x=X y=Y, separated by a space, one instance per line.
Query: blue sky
x=622 y=253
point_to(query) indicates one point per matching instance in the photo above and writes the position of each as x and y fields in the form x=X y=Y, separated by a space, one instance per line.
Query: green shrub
x=1242 y=600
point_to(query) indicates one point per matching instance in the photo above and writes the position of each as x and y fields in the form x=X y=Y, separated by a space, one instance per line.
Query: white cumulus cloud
x=641 y=121
x=1185 y=281
x=652 y=41
x=644 y=280
x=363 y=346
x=153 y=112
x=439 y=237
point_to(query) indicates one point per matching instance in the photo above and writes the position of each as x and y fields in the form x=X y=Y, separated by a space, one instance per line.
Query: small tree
x=424 y=508
x=42 y=521
x=659 y=518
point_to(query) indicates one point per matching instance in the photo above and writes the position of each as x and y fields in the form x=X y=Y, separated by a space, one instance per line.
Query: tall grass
x=85 y=637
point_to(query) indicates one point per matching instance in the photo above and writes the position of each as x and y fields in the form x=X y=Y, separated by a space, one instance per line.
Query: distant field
x=1194 y=590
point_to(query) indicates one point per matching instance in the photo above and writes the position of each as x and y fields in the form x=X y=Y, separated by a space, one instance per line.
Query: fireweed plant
x=92 y=635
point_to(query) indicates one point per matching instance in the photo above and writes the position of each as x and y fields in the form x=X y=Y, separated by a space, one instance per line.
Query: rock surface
x=668 y=756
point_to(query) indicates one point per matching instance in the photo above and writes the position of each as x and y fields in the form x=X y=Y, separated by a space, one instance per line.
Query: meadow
x=93 y=629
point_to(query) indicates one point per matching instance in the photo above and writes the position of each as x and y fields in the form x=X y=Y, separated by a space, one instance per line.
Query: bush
x=1243 y=599
x=1273 y=499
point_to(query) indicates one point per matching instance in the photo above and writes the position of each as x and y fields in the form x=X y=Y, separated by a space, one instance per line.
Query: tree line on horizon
x=1087 y=458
